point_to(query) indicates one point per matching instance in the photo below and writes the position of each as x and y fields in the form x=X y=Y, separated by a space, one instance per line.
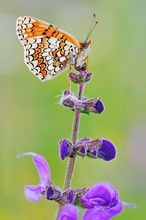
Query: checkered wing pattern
x=48 y=50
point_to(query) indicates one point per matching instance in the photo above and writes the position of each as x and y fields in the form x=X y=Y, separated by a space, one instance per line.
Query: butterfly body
x=48 y=50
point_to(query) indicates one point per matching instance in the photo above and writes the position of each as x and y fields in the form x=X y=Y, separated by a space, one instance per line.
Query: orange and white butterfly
x=48 y=50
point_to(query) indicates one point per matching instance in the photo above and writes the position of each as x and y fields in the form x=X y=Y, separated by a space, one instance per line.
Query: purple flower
x=68 y=196
x=98 y=148
x=84 y=105
x=107 y=150
x=69 y=212
x=68 y=99
x=99 y=107
x=98 y=213
x=34 y=193
x=101 y=195
x=94 y=105
x=66 y=148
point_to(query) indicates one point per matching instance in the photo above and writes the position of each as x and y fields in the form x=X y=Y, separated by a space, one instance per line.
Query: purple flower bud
x=70 y=212
x=66 y=148
x=101 y=195
x=94 y=105
x=82 y=77
x=68 y=99
x=87 y=147
x=82 y=151
x=86 y=106
x=99 y=107
x=52 y=192
x=80 y=147
x=68 y=196
x=107 y=151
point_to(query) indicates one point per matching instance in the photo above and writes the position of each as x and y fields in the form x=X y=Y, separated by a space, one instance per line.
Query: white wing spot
x=30 y=51
x=57 y=69
x=34 y=46
x=62 y=59
x=47 y=50
x=58 y=54
x=50 y=61
x=34 y=63
x=38 y=40
x=48 y=57
x=52 y=41
x=50 y=67
x=45 y=54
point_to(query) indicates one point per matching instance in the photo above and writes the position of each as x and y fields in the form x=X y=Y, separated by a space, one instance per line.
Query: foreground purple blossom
x=102 y=195
x=34 y=192
x=99 y=214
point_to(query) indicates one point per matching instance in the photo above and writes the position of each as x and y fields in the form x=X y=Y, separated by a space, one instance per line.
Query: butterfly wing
x=47 y=49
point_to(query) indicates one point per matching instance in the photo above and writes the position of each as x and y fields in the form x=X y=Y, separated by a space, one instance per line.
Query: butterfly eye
x=87 y=45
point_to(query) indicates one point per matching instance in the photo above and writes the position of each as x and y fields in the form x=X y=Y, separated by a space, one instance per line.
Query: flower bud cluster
x=84 y=105
x=99 y=148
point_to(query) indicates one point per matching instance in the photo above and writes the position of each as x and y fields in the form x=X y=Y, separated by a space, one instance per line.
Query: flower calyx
x=82 y=77
x=87 y=106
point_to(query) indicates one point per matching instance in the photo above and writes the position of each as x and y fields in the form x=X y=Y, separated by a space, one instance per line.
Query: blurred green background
x=31 y=118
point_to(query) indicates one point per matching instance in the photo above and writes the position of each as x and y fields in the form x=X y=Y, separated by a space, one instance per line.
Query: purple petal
x=107 y=151
x=33 y=193
x=65 y=148
x=97 y=213
x=42 y=168
x=99 y=106
x=69 y=212
x=102 y=195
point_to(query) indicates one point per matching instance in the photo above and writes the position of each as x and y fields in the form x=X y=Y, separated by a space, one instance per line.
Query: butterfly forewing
x=48 y=50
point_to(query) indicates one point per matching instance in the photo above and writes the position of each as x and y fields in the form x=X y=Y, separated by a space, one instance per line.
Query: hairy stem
x=71 y=162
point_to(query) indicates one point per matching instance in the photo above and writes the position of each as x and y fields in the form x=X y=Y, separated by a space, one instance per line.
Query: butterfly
x=48 y=50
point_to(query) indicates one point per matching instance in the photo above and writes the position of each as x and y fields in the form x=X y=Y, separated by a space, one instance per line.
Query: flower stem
x=71 y=162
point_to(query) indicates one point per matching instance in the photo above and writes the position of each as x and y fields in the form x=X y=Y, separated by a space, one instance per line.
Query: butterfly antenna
x=92 y=26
